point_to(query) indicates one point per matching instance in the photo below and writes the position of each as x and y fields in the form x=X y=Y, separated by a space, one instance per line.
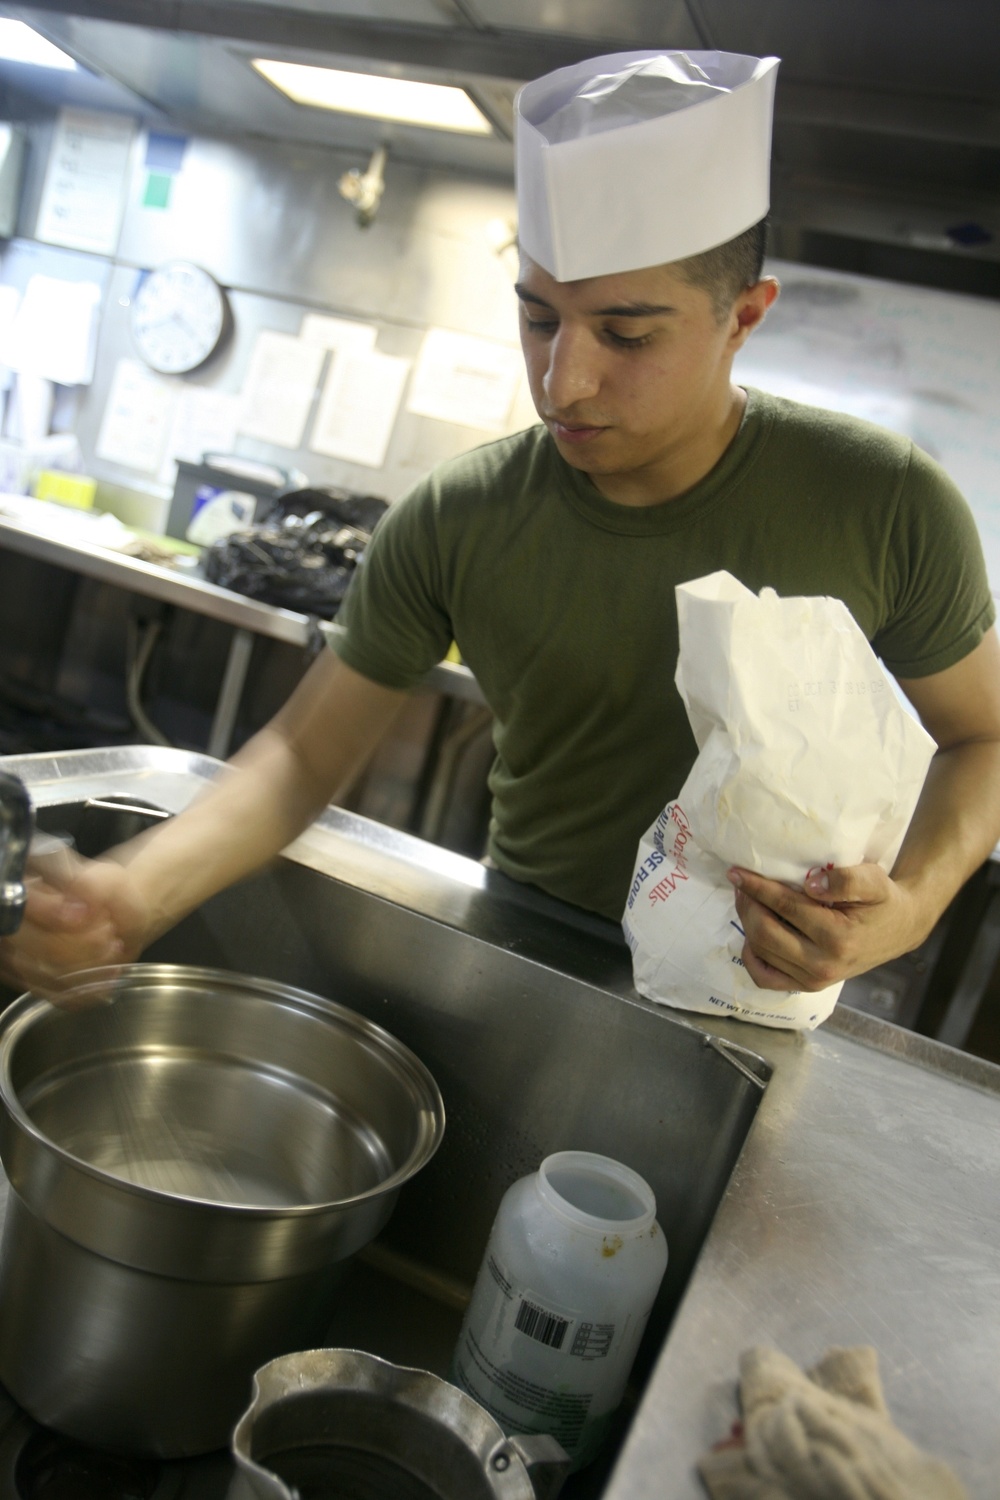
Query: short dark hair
x=728 y=269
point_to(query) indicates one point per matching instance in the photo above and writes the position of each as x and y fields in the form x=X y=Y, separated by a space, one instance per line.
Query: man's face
x=624 y=370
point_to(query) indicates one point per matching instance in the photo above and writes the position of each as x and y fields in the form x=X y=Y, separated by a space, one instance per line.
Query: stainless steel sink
x=529 y=1059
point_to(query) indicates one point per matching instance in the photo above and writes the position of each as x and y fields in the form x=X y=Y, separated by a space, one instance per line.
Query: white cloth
x=825 y=1435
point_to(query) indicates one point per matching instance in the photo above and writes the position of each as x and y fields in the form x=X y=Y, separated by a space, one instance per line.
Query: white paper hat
x=641 y=158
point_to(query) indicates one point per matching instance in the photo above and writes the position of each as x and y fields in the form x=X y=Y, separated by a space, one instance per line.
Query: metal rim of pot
x=136 y=1238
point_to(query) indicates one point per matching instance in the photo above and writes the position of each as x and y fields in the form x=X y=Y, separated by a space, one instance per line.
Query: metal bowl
x=189 y=1164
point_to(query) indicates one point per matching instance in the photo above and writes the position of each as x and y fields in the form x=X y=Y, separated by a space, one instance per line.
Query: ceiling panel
x=412 y=12
x=904 y=162
x=877 y=101
x=27 y=92
x=207 y=84
x=637 y=24
x=506 y=51
x=927 y=46
x=968 y=122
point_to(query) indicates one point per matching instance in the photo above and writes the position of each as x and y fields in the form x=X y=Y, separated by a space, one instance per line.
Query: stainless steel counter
x=865 y=1207
x=35 y=534
x=168 y=585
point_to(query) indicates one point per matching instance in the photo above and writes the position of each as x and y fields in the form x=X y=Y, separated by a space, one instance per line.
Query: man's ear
x=750 y=308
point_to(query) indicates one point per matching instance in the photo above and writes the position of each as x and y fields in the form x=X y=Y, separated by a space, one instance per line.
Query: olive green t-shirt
x=562 y=604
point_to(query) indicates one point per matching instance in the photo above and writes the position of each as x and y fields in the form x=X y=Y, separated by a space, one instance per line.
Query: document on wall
x=358 y=407
x=279 y=388
x=10 y=299
x=30 y=403
x=342 y=334
x=137 y=417
x=204 y=421
x=464 y=379
x=83 y=195
x=53 y=332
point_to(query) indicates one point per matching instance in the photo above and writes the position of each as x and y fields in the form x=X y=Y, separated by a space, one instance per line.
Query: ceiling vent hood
x=887 y=122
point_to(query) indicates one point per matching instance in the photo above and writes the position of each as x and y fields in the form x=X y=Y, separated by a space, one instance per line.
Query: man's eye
x=541 y=325
x=625 y=342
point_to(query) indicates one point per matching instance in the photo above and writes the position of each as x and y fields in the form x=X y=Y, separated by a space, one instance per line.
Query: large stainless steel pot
x=136 y=1305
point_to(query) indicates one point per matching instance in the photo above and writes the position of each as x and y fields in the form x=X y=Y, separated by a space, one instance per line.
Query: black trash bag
x=362 y=512
x=302 y=556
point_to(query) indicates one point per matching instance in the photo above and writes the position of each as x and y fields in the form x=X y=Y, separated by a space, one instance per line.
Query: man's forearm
x=270 y=791
x=259 y=804
x=100 y=912
x=954 y=828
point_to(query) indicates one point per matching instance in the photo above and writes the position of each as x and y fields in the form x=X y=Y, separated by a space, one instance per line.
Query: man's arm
x=270 y=791
x=854 y=919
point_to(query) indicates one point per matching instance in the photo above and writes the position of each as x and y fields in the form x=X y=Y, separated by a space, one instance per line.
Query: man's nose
x=573 y=371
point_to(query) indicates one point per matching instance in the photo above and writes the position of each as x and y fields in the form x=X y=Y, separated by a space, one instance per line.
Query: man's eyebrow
x=526 y=296
x=622 y=310
x=634 y=310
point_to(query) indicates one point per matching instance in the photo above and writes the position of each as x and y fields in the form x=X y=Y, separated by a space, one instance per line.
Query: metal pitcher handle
x=546 y=1461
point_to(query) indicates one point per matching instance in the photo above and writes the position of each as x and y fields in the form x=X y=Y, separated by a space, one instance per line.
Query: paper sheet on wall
x=358 y=407
x=464 y=379
x=338 y=333
x=83 y=196
x=53 y=333
x=204 y=421
x=10 y=298
x=28 y=418
x=137 y=417
x=279 y=388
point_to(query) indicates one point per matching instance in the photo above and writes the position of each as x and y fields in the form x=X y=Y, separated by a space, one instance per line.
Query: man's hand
x=845 y=922
x=82 y=915
x=849 y=920
x=90 y=913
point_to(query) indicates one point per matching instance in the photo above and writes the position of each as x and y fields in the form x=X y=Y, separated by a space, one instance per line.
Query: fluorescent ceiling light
x=436 y=105
x=18 y=43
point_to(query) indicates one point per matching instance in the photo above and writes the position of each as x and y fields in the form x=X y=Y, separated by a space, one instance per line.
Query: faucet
x=16 y=824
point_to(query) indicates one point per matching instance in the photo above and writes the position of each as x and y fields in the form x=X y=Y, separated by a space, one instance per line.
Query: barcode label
x=541 y=1325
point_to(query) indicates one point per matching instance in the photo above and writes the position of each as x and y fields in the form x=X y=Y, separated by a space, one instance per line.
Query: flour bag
x=805 y=757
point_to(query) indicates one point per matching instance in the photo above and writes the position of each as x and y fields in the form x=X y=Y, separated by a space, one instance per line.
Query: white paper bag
x=806 y=757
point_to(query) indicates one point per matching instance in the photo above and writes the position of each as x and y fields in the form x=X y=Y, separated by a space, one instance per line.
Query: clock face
x=179 y=316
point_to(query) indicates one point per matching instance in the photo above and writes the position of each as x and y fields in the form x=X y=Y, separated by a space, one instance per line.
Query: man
x=551 y=557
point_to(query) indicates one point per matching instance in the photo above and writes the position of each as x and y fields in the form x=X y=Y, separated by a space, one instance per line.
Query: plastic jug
x=573 y=1264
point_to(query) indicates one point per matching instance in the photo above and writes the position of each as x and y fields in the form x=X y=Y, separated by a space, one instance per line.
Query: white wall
x=922 y=362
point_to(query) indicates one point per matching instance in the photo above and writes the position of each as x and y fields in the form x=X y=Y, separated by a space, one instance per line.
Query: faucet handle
x=13 y=897
x=16 y=823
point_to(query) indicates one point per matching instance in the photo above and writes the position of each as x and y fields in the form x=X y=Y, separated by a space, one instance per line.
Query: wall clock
x=180 y=315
